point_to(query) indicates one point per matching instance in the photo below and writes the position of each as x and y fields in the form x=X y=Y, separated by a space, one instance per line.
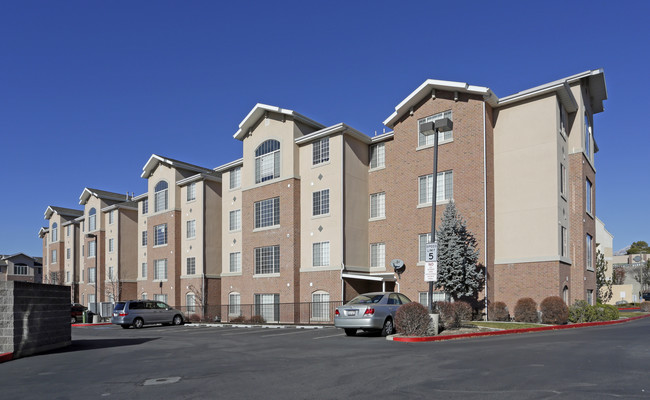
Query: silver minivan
x=138 y=313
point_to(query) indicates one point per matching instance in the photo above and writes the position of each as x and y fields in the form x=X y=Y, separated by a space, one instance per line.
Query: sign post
x=431 y=262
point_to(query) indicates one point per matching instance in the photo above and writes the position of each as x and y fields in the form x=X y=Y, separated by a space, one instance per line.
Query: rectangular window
x=267 y=167
x=378 y=205
x=321 y=202
x=587 y=137
x=111 y=271
x=590 y=297
x=92 y=249
x=377 y=156
x=267 y=213
x=144 y=238
x=234 y=304
x=590 y=249
x=588 y=190
x=268 y=306
x=564 y=238
x=144 y=296
x=321 y=151
x=111 y=244
x=145 y=206
x=377 y=255
x=235 y=220
x=67 y=230
x=67 y=253
x=424 y=140
x=235 y=262
x=190 y=301
x=267 y=260
x=53 y=257
x=82 y=274
x=160 y=235
x=67 y=276
x=563 y=118
x=321 y=254
x=437 y=296
x=424 y=238
x=92 y=222
x=20 y=269
x=191 y=266
x=562 y=179
x=160 y=269
x=191 y=229
x=143 y=271
x=160 y=297
x=92 y=275
x=235 y=178
x=111 y=216
x=191 y=191
x=444 y=190
x=320 y=308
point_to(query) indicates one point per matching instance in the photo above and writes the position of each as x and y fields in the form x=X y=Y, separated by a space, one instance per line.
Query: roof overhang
x=155 y=160
x=43 y=231
x=141 y=196
x=230 y=165
x=561 y=88
x=332 y=130
x=87 y=193
x=122 y=206
x=198 y=177
x=51 y=210
x=261 y=110
x=375 y=278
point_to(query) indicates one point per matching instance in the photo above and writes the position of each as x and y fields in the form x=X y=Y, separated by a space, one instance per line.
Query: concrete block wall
x=33 y=317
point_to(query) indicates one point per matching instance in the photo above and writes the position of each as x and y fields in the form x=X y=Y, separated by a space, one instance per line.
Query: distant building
x=21 y=267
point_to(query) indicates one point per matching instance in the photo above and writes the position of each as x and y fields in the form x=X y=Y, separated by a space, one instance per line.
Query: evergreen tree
x=458 y=270
x=603 y=283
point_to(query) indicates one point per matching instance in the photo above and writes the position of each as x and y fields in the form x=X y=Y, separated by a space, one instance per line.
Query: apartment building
x=21 y=267
x=57 y=244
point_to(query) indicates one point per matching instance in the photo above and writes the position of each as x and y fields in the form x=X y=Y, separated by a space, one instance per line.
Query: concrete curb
x=509 y=331
x=220 y=325
x=4 y=357
x=98 y=324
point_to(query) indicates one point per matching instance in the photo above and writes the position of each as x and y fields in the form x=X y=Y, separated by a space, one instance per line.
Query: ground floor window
x=320 y=308
x=190 y=301
x=268 y=306
x=160 y=297
x=234 y=304
x=437 y=296
x=590 y=297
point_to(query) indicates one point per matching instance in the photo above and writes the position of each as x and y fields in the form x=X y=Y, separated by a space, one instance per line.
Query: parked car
x=138 y=313
x=370 y=312
x=646 y=296
x=77 y=312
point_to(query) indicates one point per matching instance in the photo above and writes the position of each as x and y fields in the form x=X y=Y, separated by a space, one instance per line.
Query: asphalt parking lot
x=194 y=362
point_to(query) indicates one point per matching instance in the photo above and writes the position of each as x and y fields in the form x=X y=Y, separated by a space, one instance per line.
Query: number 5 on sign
x=431 y=252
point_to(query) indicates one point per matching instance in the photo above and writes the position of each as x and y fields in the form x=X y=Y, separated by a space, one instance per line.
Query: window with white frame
x=563 y=118
x=92 y=249
x=378 y=155
x=160 y=235
x=234 y=304
x=267 y=161
x=91 y=302
x=423 y=239
x=111 y=245
x=160 y=269
x=145 y=206
x=53 y=257
x=267 y=305
x=54 y=236
x=321 y=254
x=83 y=274
x=92 y=275
x=111 y=216
x=67 y=276
x=321 y=202
x=321 y=150
x=378 y=205
x=111 y=271
x=92 y=220
x=160 y=196
x=235 y=220
x=424 y=140
x=588 y=190
x=144 y=296
x=191 y=229
x=143 y=270
x=191 y=191
x=160 y=297
x=267 y=260
x=590 y=249
x=590 y=297
x=235 y=178
x=562 y=179
x=588 y=134
x=20 y=269
x=190 y=264
x=437 y=296
x=267 y=212
x=83 y=250
x=444 y=190
x=320 y=306
x=67 y=230
x=190 y=301
x=67 y=253
x=235 y=262
x=144 y=238
x=377 y=255
x=564 y=241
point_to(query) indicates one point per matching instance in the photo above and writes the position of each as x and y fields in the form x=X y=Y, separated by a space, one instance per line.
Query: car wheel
x=388 y=327
x=350 y=331
x=178 y=320
x=125 y=326
x=73 y=320
x=138 y=323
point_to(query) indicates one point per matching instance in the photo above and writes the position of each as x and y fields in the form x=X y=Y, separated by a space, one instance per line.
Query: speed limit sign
x=431 y=251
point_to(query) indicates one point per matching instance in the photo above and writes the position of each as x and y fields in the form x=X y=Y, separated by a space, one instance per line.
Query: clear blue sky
x=90 y=89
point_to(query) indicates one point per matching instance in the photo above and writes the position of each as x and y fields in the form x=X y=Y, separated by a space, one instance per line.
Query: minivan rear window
x=119 y=306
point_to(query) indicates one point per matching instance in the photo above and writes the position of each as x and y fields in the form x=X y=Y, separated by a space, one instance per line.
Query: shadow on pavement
x=92 y=344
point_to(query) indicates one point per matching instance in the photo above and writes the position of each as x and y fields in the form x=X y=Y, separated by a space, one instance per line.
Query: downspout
x=204 y=208
x=485 y=212
x=342 y=191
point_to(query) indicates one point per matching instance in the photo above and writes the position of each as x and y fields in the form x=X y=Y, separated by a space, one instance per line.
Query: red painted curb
x=102 y=323
x=512 y=331
x=630 y=308
x=6 y=357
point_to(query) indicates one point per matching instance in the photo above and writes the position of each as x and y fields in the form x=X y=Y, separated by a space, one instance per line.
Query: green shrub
x=526 y=310
x=554 y=311
x=452 y=314
x=498 y=311
x=412 y=319
x=645 y=306
x=606 y=312
x=581 y=311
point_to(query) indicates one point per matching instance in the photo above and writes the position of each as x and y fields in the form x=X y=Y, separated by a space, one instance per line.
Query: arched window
x=55 y=233
x=565 y=294
x=320 y=306
x=234 y=304
x=160 y=196
x=267 y=161
x=92 y=220
x=190 y=301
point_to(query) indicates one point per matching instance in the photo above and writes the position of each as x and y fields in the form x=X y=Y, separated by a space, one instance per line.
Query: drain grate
x=161 y=381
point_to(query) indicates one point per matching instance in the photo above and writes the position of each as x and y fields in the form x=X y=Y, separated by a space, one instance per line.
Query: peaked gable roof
x=68 y=212
x=155 y=160
x=101 y=194
x=261 y=109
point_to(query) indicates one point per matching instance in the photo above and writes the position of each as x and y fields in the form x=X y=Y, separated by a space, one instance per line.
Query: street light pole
x=433 y=128
x=93 y=236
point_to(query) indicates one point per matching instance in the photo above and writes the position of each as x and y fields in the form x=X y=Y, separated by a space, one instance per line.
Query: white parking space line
x=288 y=333
x=330 y=336
x=243 y=331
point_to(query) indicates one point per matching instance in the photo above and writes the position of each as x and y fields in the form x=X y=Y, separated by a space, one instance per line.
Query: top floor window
x=235 y=178
x=55 y=233
x=444 y=187
x=424 y=140
x=588 y=190
x=588 y=134
x=267 y=161
x=92 y=220
x=145 y=206
x=67 y=230
x=111 y=216
x=563 y=118
x=378 y=156
x=160 y=196
x=191 y=191
x=321 y=151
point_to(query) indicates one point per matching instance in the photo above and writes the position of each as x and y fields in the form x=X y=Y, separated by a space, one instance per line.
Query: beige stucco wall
x=213 y=225
x=192 y=247
x=142 y=250
x=357 y=206
x=321 y=228
x=232 y=241
x=526 y=181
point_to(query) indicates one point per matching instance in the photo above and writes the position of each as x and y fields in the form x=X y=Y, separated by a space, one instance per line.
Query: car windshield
x=367 y=299
x=119 y=306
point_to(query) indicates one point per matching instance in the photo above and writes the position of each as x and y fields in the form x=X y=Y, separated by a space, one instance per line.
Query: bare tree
x=113 y=287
